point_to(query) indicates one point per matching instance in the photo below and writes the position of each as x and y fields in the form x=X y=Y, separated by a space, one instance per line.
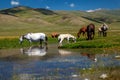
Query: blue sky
x=63 y=4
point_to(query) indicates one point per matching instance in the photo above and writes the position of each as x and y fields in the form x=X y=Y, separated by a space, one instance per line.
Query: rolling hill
x=18 y=20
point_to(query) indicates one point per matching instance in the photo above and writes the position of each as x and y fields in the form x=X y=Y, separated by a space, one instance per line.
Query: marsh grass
x=94 y=74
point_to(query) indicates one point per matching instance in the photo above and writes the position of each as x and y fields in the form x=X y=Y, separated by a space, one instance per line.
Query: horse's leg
x=103 y=33
x=83 y=33
x=40 y=42
x=91 y=36
x=88 y=35
x=78 y=34
x=30 y=42
x=68 y=39
x=60 y=42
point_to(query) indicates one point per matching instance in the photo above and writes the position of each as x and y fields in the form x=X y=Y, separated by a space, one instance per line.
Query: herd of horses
x=88 y=31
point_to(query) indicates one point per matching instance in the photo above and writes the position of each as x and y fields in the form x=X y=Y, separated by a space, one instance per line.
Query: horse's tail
x=46 y=39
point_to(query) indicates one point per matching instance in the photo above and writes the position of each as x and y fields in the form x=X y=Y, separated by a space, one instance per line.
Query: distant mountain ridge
x=63 y=17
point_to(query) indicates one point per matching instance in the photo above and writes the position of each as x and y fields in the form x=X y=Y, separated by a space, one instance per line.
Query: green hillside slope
x=19 y=20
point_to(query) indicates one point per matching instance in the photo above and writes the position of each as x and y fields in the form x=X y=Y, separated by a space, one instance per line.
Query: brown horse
x=54 y=35
x=90 y=31
x=82 y=31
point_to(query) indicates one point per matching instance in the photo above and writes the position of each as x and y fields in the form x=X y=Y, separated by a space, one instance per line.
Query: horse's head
x=21 y=39
x=74 y=38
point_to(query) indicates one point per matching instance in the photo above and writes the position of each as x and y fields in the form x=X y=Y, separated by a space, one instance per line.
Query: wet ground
x=51 y=63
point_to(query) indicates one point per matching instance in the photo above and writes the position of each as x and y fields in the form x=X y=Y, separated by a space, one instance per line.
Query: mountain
x=27 y=19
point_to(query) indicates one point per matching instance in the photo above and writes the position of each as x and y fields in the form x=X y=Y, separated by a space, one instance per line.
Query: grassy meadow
x=111 y=41
x=17 y=21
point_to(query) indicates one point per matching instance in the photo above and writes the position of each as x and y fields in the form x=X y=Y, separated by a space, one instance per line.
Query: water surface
x=41 y=63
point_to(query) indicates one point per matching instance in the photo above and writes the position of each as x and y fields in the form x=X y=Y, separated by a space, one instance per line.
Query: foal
x=61 y=37
x=54 y=35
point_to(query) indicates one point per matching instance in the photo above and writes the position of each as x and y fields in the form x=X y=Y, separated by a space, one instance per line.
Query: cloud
x=47 y=7
x=93 y=10
x=14 y=3
x=72 y=5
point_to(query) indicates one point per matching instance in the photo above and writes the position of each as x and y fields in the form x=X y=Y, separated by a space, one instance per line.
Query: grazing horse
x=61 y=37
x=34 y=37
x=103 y=30
x=82 y=31
x=90 y=31
x=54 y=35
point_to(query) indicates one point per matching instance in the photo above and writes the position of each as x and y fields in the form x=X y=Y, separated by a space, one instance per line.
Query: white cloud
x=47 y=7
x=72 y=5
x=14 y=3
x=93 y=10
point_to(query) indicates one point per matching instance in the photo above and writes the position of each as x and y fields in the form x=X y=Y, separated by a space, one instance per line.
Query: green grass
x=27 y=20
x=14 y=43
x=111 y=41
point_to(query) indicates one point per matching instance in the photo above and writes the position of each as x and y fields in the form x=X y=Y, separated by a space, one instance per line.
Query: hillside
x=18 y=20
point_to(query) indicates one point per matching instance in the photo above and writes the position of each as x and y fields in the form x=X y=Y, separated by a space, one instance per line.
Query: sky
x=63 y=4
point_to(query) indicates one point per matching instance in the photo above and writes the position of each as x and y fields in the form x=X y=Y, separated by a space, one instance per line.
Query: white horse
x=103 y=30
x=35 y=51
x=61 y=37
x=33 y=37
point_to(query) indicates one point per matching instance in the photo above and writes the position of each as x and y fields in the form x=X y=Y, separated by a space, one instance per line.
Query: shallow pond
x=51 y=63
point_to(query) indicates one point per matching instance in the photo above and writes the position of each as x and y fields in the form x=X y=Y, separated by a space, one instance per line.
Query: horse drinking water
x=61 y=37
x=34 y=37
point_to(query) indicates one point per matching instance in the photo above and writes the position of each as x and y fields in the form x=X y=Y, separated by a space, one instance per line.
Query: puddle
x=51 y=63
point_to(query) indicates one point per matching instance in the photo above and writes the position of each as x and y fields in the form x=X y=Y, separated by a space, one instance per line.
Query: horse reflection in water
x=64 y=52
x=35 y=51
x=90 y=56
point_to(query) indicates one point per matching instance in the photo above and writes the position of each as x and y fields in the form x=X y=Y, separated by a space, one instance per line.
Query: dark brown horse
x=90 y=31
x=54 y=35
x=82 y=31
